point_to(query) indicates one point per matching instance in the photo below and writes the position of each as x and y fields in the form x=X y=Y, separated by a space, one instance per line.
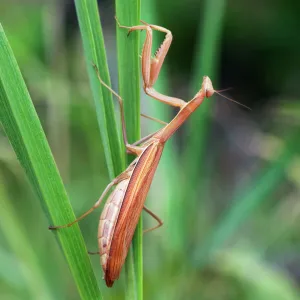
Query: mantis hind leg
x=118 y=179
x=152 y=214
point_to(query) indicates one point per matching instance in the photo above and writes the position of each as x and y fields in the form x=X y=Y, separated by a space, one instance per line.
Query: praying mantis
x=122 y=210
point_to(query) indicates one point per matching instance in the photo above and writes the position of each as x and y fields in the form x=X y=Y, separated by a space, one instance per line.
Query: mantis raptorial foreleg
x=151 y=65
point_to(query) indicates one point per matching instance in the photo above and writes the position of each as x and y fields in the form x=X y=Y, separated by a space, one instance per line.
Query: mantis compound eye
x=207 y=87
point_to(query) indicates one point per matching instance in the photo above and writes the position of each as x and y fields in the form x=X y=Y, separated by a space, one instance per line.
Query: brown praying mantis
x=122 y=210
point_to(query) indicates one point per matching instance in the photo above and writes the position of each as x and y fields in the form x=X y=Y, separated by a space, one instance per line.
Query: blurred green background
x=228 y=184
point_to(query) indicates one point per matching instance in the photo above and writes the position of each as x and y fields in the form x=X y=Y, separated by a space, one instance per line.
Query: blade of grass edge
x=23 y=128
x=204 y=64
x=28 y=261
x=94 y=50
x=206 y=60
x=128 y=13
x=169 y=166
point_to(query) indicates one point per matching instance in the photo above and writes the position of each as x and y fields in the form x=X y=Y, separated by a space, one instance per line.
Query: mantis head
x=207 y=87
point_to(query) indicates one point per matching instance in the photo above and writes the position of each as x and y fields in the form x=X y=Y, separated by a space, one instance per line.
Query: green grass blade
x=130 y=290
x=22 y=126
x=169 y=164
x=12 y=277
x=128 y=13
x=245 y=203
x=15 y=236
x=94 y=50
x=204 y=64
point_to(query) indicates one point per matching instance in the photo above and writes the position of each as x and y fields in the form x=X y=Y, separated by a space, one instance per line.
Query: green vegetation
x=227 y=187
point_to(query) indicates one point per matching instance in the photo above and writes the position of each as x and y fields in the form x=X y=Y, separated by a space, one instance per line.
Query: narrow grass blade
x=9 y=274
x=15 y=236
x=169 y=167
x=131 y=289
x=23 y=128
x=94 y=50
x=205 y=63
x=128 y=14
x=58 y=99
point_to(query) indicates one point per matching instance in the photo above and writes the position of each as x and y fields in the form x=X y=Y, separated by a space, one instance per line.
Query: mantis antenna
x=232 y=100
